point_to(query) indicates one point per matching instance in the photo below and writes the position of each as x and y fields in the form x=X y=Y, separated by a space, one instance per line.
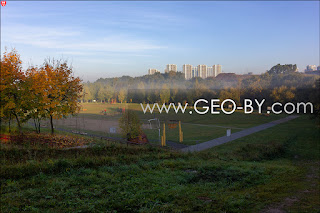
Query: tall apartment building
x=171 y=67
x=210 y=72
x=195 y=72
x=202 y=70
x=187 y=70
x=311 y=68
x=217 y=69
x=214 y=70
x=152 y=71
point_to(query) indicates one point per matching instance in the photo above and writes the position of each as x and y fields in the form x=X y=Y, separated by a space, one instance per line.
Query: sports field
x=98 y=118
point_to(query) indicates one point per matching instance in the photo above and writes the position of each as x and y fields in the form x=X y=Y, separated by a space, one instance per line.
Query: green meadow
x=277 y=168
x=196 y=128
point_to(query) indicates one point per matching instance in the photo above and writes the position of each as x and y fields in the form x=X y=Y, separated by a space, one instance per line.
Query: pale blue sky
x=108 y=38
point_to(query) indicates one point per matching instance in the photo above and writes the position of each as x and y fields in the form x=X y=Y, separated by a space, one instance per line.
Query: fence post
x=228 y=132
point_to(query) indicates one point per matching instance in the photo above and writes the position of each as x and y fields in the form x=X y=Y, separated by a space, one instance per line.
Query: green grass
x=238 y=119
x=192 y=134
x=299 y=138
x=245 y=175
x=96 y=111
x=211 y=126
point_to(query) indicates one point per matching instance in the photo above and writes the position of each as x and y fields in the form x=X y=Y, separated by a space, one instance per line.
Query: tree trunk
x=10 y=123
x=51 y=123
x=37 y=124
x=18 y=122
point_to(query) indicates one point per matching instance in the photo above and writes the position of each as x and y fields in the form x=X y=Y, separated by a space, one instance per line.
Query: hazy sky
x=108 y=39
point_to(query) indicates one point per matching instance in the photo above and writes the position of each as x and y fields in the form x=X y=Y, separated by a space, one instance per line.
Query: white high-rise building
x=202 y=70
x=311 y=68
x=171 y=67
x=195 y=72
x=190 y=71
x=187 y=70
x=210 y=72
x=217 y=69
x=152 y=71
x=214 y=70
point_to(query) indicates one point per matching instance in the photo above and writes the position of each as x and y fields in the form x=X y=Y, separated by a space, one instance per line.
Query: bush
x=130 y=125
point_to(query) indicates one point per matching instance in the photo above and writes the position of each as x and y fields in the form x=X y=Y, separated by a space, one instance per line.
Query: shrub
x=130 y=125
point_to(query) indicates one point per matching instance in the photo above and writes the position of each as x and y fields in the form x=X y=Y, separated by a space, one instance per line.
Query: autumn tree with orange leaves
x=48 y=92
x=12 y=89
x=63 y=90
x=36 y=84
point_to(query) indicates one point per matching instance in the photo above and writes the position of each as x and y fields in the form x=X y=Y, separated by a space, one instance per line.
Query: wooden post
x=180 y=133
x=164 y=135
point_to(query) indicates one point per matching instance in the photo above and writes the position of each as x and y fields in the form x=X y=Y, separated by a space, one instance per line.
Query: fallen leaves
x=53 y=141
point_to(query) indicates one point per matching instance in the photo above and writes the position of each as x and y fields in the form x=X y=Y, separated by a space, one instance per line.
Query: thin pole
x=164 y=134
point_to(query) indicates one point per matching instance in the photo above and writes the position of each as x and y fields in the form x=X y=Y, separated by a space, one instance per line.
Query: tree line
x=41 y=92
x=51 y=91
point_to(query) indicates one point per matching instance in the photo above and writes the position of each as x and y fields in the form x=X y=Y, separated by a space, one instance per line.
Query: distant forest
x=172 y=87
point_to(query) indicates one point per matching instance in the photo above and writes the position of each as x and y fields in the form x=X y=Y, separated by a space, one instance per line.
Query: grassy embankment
x=247 y=175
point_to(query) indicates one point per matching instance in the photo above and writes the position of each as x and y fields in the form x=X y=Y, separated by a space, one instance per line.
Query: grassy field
x=211 y=126
x=277 y=168
x=238 y=119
